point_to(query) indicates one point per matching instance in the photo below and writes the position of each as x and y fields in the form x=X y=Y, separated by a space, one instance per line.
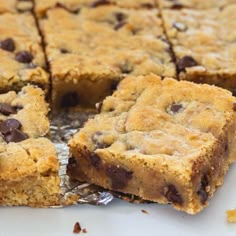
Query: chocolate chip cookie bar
x=15 y=6
x=41 y=6
x=90 y=52
x=194 y=4
x=28 y=161
x=21 y=53
x=166 y=141
x=204 y=47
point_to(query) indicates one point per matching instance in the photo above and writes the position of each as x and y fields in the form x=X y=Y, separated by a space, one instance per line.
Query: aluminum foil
x=63 y=126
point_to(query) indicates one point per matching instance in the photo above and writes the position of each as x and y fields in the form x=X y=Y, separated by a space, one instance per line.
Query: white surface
x=121 y=218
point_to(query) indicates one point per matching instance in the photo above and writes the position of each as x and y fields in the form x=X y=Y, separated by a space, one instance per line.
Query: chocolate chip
x=119 y=25
x=173 y=195
x=202 y=190
x=72 y=164
x=176 y=107
x=64 y=51
x=119 y=176
x=7 y=109
x=24 y=57
x=114 y=85
x=9 y=125
x=95 y=160
x=147 y=5
x=70 y=100
x=234 y=92
x=120 y=16
x=8 y=45
x=99 y=3
x=98 y=143
x=77 y=228
x=184 y=62
x=180 y=26
x=234 y=106
x=15 y=136
x=126 y=67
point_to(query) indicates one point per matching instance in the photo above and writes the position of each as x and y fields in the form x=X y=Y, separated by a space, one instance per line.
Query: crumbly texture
x=21 y=53
x=163 y=140
x=194 y=4
x=90 y=52
x=28 y=161
x=41 y=6
x=205 y=47
x=15 y=6
x=231 y=216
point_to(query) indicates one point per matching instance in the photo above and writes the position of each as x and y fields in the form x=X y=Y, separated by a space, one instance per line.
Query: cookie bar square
x=90 y=52
x=21 y=53
x=166 y=141
x=28 y=160
x=194 y=4
x=15 y=6
x=205 y=47
x=41 y=6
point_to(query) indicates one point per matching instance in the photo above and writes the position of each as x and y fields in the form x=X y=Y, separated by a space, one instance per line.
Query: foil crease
x=63 y=126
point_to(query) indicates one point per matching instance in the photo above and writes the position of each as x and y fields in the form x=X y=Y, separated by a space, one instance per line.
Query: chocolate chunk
x=7 y=109
x=98 y=143
x=147 y=5
x=8 y=45
x=99 y=3
x=24 y=57
x=184 y=62
x=176 y=107
x=234 y=106
x=120 y=16
x=126 y=67
x=77 y=228
x=95 y=160
x=180 y=26
x=119 y=25
x=177 y=6
x=114 y=85
x=203 y=194
x=119 y=176
x=173 y=195
x=9 y=125
x=64 y=51
x=15 y=136
x=70 y=100
x=72 y=164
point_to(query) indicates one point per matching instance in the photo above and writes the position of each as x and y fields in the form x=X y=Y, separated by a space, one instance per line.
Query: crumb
x=77 y=228
x=231 y=216
x=145 y=212
x=84 y=231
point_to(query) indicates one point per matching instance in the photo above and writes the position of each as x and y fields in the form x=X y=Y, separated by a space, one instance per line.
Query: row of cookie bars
x=91 y=45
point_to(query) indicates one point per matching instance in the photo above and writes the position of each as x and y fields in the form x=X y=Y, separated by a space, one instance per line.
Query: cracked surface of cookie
x=28 y=160
x=162 y=140
x=212 y=57
x=21 y=54
x=98 y=47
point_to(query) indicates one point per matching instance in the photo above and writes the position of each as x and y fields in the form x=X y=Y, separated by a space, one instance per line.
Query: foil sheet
x=63 y=126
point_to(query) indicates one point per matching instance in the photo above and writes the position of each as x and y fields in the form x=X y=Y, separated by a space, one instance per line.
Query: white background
x=122 y=218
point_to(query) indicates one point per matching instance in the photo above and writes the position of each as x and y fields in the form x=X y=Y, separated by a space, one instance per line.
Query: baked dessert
x=41 y=6
x=194 y=4
x=98 y=47
x=28 y=161
x=211 y=58
x=15 y=6
x=162 y=140
x=21 y=53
